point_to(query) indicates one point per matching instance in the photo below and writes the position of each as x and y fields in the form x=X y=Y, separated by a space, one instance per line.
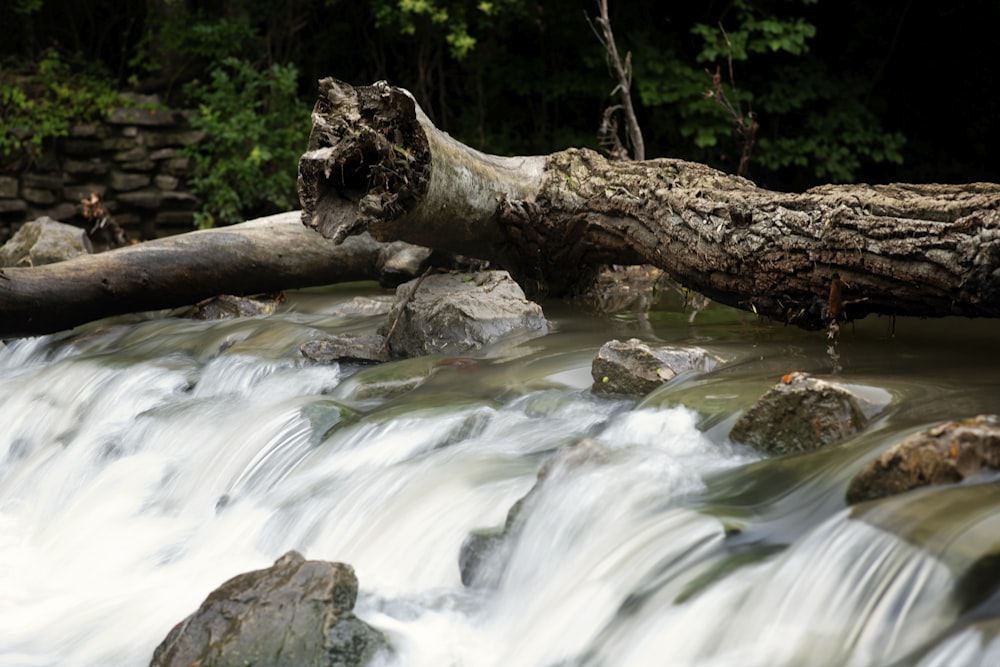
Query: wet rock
x=43 y=241
x=227 y=306
x=364 y=305
x=296 y=612
x=399 y=262
x=483 y=554
x=943 y=454
x=636 y=368
x=475 y=554
x=622 y=289
x=454 y=313
x=360 y=348
x=799 y=414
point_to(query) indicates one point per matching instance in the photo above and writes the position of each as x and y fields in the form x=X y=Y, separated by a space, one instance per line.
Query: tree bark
x=375 y=162
x=266 y=255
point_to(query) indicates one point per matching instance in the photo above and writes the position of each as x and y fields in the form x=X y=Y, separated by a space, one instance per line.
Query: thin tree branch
x=623 y=74
x=746 y=131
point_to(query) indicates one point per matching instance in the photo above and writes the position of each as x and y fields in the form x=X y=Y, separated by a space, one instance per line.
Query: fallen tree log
x=375 y=162
x=266 y=255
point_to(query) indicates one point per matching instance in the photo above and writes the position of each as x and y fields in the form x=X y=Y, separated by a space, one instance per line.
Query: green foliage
x=828 y=83
x=837 y=133
x=195 y=36
x=255 y=130
x=26 y=6
x=753 y=34
x=810 y=119
x=453 y=17
x=671 y=82
x=45 y=100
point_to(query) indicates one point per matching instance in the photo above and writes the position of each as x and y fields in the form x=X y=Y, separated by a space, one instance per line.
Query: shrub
x=43 y=100
x=255 y=130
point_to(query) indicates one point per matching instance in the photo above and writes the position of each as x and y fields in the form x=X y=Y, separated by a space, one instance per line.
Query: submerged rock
x=483 y=555
x=799 y=414
x=364 y=305
x=228 y=306
x=453 y=313
x=636 y=368
x=43 y=241
x=943 y=454
x=621 y=289
x=296 y=612
x=363 y=348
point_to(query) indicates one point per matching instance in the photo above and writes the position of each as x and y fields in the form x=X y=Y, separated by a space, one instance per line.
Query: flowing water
x=144 y=461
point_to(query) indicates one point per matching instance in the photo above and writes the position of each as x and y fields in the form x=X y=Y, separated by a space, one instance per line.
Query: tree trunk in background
x=376 y=163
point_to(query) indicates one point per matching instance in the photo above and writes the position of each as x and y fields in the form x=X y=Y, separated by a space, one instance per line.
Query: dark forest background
x=842 y=90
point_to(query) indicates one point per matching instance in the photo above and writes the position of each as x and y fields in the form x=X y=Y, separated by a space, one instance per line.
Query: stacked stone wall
x=133 y=160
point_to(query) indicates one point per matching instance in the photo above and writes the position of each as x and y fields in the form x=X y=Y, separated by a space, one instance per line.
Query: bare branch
x=747 y=131
x=623 y=74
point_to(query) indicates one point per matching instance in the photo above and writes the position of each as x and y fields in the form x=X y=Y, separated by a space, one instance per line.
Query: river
x=145 y=460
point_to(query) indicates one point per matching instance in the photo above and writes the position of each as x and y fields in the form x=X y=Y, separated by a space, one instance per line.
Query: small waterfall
x=142 y=465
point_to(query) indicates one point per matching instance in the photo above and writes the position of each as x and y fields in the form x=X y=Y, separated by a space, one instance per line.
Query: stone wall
x=133 y=160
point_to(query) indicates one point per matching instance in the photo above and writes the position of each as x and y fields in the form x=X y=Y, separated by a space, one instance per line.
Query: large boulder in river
x=43 y=241
x=799 y=414
x=296 y=612
x=943 y=454
x=635 y=368
x=454 y=313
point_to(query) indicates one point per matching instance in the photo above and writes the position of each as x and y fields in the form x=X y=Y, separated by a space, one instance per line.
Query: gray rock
x=43 y=181
x=799 y=414
x=147 y=117
x=123 y=181
x=636 y=368
x=178 y=166
x=400 y=261
x=89 y=130
x=296 y=612
x=92 y=167
x=38 y=196
x=228 y=306
x=356 y=348
x=43 y=241
x=8 y=187
x=178 y=200
x=166 y=182
x=163 y=154
x=181 y=138
x=455 y=313
x=133 y=154
x=943 y=454
x=13 y=205
x=149 y=198
x=120 y=143
x=364 y=305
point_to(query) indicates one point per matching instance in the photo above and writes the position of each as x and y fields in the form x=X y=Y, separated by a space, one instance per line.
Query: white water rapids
x=143 y=465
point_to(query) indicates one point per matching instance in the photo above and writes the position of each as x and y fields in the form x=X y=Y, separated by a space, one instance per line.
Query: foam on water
x=132 y=485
